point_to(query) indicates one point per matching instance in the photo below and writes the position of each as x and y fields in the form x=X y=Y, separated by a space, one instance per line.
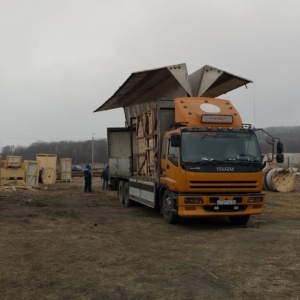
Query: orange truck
x=183 y=150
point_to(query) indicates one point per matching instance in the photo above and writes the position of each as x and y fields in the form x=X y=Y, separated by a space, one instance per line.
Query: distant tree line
x=81 y=151
x=289 y=136
x=78 y=151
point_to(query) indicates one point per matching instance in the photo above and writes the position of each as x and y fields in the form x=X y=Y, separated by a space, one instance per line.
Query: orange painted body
x=211 y=186
x=189 y=111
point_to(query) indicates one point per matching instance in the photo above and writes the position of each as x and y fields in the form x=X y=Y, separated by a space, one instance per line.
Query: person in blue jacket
x=88 y=176
x=104 y=177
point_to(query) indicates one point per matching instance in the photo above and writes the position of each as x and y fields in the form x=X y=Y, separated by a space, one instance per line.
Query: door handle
x=168 y=167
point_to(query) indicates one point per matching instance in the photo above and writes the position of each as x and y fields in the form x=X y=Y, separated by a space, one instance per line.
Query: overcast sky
x=62 y=59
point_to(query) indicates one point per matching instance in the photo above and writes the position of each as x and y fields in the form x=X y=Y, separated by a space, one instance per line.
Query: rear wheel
x=168 y=208
x=121 y=191
x=128 y=202
x=239 y=220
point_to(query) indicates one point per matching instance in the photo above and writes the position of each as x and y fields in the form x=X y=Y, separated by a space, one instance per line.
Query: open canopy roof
x=143 y=89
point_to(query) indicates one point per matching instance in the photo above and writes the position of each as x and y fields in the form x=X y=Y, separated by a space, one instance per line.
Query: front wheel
x=239 y=220
x=169 y=210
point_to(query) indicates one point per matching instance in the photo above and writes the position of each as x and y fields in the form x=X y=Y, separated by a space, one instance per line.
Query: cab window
x=173 y=154
x=164 y=148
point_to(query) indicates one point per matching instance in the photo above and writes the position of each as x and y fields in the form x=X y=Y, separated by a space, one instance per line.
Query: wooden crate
x=32 y=171
x=2 y=163
x=66 y=169
x=13 y=161
x=146 y=141
x=47 y=160
x=8 y=175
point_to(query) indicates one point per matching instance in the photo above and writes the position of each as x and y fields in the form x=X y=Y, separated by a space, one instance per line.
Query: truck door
x=170 y=165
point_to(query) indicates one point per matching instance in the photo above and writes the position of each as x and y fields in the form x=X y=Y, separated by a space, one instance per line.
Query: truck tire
x=168 y=208
x=128 y=202
x=239 y=220
x=121 y=191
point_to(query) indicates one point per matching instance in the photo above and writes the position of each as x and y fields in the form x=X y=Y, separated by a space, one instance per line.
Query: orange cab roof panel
x=202 y=111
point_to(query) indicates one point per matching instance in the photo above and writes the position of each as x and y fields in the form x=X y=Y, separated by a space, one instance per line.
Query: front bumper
x=220 y=205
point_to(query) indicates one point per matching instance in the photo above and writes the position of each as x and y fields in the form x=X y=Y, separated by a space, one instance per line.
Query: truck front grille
x=223 y=185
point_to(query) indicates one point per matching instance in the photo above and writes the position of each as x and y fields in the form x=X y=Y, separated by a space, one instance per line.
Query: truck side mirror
x=175 y=140
x=279 y=158
x=279 y=147
x=279 y=155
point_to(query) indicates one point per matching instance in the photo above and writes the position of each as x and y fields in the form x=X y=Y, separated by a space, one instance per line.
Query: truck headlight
x=255 y=199
x=193 y=200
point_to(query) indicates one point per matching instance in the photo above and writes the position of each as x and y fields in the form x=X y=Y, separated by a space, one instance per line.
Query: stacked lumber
x=15 y=186
x=146 y=137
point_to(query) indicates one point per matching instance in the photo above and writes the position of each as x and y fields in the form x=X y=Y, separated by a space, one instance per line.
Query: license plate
x=226 y=202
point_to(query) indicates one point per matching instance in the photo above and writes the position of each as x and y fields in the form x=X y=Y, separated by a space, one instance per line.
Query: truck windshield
x=201 y=146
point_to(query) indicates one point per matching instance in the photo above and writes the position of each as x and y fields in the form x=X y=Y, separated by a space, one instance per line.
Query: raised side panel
x=142 y=191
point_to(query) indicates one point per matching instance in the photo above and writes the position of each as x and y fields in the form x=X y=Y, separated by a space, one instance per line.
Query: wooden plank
x=141 y=125
x=146 y=139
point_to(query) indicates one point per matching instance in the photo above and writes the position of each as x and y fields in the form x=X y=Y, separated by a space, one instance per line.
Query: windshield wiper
x=200 y=162
x=245 y=157
x=204 y=162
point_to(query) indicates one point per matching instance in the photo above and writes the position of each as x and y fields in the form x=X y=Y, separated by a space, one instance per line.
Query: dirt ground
x=61 y=243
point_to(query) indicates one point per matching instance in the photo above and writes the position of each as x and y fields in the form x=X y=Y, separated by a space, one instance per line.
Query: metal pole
x=93 y=148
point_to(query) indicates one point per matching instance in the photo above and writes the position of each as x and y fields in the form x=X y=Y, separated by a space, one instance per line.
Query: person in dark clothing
x=88 y=175
x=104 y=177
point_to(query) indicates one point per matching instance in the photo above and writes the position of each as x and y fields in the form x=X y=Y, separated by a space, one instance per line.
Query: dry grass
x=64 y=244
